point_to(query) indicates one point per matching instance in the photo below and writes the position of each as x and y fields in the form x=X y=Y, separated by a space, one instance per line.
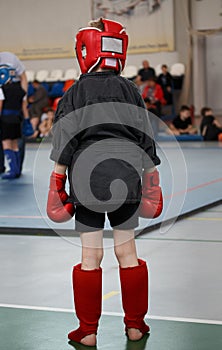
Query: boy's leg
x=134 y=283
x=87 y=288
x=125 y=247
x=92 y=249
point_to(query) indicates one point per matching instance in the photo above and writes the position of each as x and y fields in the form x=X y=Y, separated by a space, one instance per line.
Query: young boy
x=101 y=121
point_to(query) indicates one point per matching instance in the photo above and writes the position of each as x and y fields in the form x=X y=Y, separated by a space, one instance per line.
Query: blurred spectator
x=11 y=60
x=12 y=104
x=154 y=92
x=165 y=80
x=182 y=124
x=149 y=106
x=153 y=115
x=156 y=5
x=46 y=123
x=38 y=101
x=139 y=83
x=146 y=72
x=210 y=128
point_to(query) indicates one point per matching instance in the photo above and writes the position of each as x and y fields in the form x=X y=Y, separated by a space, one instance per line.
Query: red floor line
x=193 y=188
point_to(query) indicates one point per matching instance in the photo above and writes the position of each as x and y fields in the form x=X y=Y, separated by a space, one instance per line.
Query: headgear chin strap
x=107 y=48
x=7 y=74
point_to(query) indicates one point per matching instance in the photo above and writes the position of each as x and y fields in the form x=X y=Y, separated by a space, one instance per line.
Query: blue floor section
x=191 y=177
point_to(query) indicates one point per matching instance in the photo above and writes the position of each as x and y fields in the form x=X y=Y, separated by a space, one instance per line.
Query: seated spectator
x=45 y=126
x=153 y=115
x=38 y=101
x=210 y=128
x=165 y=80
x=182 y=124
x=150 y=107
x=140 y=84
x=154 y=92
x=146 y=72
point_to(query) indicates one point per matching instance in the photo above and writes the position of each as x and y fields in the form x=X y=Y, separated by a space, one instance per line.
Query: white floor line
x=118 y=314
x=36 y=308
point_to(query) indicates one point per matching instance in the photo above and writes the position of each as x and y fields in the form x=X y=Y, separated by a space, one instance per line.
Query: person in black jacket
x=102 y=136
x=165 y=80
x=146 y=72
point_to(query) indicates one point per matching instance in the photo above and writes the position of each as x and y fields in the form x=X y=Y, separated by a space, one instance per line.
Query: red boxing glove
x=151 y=205
x=57 y=208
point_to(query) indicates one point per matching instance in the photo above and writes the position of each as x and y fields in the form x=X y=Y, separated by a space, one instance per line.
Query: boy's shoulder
x=128 y=82
x=89 y=85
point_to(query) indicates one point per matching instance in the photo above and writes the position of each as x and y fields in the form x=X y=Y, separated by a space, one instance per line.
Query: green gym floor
x=46 y=330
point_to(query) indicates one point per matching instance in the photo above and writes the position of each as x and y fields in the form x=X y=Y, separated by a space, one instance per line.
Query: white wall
x=207 y=53
x=206 y=14
x=209 y=71
x=214 y=72
x=179 y=55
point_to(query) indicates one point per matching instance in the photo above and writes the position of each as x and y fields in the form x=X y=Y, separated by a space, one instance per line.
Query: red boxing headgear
x=108 y=47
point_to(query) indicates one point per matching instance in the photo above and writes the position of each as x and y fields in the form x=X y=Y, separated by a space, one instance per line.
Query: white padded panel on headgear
x=110 y=62
x=112 y=44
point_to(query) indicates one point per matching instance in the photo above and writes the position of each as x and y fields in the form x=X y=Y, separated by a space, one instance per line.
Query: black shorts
x=10 y=131
x=124 y=218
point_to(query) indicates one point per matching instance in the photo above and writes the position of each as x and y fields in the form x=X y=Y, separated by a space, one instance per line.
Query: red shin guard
x=134 y=286
x=87 y=287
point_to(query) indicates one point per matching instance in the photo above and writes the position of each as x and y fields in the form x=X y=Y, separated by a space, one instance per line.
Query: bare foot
x=134 y=334
x=89 y=340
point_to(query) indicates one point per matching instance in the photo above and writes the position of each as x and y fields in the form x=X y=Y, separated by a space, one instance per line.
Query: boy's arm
x=151 y=205
x=152 y=200
x=64 y=132
x=59 y=209
x=60 y=168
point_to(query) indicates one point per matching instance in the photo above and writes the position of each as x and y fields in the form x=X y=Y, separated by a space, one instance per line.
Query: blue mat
x=190 y=176
x=164 y=137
